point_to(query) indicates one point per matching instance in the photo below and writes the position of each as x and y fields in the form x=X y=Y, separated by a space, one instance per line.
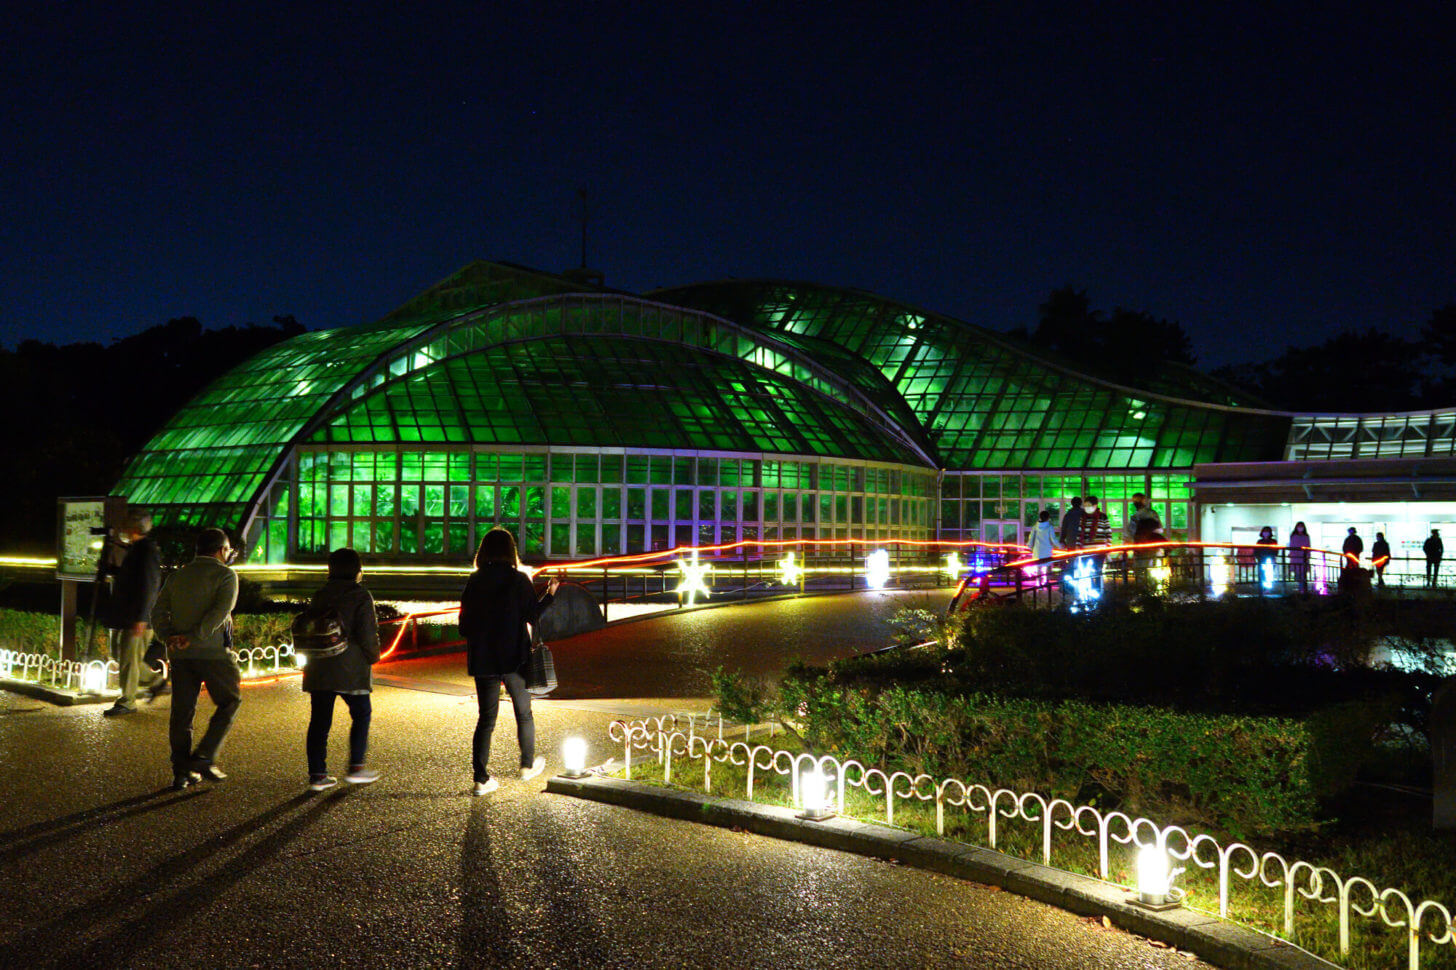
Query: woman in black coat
x=495 y=607
x=345 y=675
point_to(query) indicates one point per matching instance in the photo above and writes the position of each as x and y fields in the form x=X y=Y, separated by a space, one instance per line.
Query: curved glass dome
x=598 y=370
x=984 y=403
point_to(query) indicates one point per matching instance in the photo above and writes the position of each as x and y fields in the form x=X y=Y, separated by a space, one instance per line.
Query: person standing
x=1434 y=549
x=193 y=615
x=1354 y=545
x=1143 y=520
x=1043 y=542
x=1266 y=555
x=1380 y=557
x=129 y=611
x=496 y=607
x=346 y=674
x=1094 y=529
x=1299 y=555
x=1072 y=523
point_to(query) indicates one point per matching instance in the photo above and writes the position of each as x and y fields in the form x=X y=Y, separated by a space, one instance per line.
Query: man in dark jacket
x=1354 y=545
x=345 y=674
x=1380 y=557
x=1072 y=523
x=193 y=616
x=1434 y=549
x=129 y=611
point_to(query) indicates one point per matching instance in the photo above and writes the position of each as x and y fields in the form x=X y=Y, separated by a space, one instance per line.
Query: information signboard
x=81 y=525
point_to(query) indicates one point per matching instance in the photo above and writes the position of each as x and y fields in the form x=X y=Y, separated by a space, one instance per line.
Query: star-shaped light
x=790 y=572
x=877 y=569
x=693 y=575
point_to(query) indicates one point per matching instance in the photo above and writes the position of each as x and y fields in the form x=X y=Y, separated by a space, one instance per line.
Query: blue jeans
x=322 y=718
x=487 y=693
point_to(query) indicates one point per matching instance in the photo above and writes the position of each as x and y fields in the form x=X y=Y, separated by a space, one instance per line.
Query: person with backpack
x=338 y=637
x=496 y=607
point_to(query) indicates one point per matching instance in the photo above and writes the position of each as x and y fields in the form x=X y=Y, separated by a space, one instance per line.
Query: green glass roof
x=211 y=461
x=607 y=391
x=414 y=380
x=983 y=403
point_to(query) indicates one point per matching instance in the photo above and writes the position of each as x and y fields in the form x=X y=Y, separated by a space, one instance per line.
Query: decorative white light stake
x=693 y=574
x=1084 y=583
x=790 y=572
x=1220 y=575
x=1266 y=573
x=1161 y=574
x=877 y=569
x=573 y=756
x=814 y=796
x=953 y=564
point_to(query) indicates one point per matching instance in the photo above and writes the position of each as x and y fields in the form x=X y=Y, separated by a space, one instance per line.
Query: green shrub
x=1240 y=775
x=30 y=632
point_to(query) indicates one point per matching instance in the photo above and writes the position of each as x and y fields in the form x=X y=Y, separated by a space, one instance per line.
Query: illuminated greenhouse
x=595 y=422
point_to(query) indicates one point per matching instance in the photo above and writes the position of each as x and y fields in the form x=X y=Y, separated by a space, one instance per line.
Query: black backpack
x=318 y=632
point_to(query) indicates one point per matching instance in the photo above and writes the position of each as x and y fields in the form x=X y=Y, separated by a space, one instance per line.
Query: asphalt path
x=102 y=866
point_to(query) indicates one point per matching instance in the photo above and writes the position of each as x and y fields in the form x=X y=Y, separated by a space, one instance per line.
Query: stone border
x=57 y=695
x=1218 y=941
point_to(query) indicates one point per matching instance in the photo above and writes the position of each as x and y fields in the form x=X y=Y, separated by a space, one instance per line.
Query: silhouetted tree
x=88 y=407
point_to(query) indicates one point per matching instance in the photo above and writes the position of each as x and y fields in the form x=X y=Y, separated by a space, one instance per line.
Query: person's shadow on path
x=21 y=842
x=37 y=947
x=548 y=882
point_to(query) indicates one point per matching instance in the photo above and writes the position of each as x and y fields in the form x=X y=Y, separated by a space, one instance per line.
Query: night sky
x=1264 y=177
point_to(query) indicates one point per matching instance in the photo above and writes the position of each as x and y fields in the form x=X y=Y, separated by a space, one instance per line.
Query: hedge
x=1237 y=774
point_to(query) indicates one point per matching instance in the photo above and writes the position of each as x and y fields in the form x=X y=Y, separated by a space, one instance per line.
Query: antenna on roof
x=581 y=274
x=585 y=216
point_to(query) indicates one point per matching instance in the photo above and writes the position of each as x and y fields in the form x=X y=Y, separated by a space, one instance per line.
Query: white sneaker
x=321 y=782
x=487 y=786
x=361 y=776
x=536 y=768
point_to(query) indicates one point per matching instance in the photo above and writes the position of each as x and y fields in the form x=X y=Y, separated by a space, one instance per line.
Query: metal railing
x=1190 y=568
x=1423 y=922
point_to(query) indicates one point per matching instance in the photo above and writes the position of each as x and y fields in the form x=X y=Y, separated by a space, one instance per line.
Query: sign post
x=84 y=527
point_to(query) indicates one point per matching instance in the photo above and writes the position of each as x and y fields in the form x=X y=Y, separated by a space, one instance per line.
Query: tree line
x=78 y=411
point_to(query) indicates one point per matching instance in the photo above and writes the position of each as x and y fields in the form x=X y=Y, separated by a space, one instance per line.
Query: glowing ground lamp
x=693 y=573
x=1266 y=574
x=573 y=756
x=953 y=564
x=1154 y=880
x=790 y=572
x=814 y=799
x=93 y=677
x=877 y=569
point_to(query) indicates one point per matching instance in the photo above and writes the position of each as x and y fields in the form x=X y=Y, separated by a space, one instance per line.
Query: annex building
x=596 y=422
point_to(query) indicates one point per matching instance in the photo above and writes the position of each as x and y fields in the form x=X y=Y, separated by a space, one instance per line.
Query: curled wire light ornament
x=1423 y=922
x=877 y=569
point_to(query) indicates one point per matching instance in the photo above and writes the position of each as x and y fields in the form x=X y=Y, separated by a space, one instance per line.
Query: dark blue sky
x=1265 y=177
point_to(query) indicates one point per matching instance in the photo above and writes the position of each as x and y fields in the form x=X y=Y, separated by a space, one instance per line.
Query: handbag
x=540 y=669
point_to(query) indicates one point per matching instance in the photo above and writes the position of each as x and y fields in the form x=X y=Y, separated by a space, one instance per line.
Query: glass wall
x=401 y=504
x=983 y=506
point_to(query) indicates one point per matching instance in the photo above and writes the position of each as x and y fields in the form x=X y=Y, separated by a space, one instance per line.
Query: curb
x=1218 y=941
x=55 y=695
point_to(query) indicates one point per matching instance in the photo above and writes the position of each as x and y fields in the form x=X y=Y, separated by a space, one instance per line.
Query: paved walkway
x=102 y=866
